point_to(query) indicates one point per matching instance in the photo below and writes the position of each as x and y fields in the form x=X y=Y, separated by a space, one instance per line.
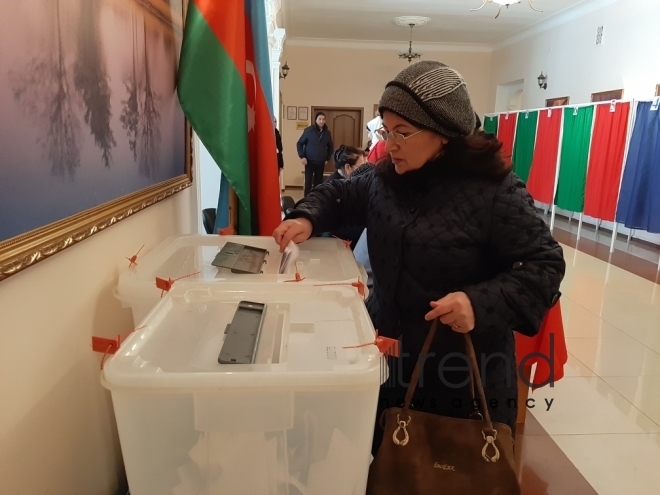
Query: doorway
x=345 y=126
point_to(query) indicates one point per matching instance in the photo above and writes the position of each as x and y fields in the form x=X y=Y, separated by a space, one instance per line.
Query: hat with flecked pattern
x=432 y=96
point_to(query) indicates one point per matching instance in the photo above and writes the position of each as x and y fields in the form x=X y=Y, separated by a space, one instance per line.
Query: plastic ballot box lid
x=190 y=259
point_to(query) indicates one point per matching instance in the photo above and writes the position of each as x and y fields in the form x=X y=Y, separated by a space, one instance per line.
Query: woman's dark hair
x=347 y=155
x=477 y=154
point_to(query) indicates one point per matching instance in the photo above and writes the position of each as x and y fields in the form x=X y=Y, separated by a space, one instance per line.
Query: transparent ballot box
x=297 y=418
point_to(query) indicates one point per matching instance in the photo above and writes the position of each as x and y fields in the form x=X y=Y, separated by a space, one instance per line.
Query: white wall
x=57 y=428
x=575 y=66
x=356 y=77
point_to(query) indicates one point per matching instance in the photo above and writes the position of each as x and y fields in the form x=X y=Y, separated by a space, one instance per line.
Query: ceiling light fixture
x=505 y=3
x=411 y=21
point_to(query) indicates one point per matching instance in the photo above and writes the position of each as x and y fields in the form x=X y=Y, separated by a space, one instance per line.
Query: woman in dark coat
x=452 y=234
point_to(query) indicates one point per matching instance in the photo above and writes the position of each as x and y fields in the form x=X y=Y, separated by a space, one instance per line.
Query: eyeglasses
x=399 y=139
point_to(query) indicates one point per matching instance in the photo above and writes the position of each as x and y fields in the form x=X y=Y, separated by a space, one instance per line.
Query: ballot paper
x=289 y=256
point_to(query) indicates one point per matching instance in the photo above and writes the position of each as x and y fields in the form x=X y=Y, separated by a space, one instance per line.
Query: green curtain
x=490 y=124
x=523 y=149
x=574 y=158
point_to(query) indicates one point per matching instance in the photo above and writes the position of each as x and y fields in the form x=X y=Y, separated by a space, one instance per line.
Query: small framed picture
x=657 y=90
x=292 y=113
x=375 y=110
x=303 y=113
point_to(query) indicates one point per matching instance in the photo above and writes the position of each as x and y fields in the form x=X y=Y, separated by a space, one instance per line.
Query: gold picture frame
x=28 y=247
x=24 y=251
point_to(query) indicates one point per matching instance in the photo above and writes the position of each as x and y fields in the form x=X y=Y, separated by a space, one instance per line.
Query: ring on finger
x=455 y=326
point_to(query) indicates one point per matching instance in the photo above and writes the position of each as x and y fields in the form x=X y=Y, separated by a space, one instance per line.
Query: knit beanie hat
x=431 y=96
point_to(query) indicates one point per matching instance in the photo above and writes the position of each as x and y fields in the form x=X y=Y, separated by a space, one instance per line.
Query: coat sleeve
x=336 y=204
x=530 y=261
x=301 y=143
x=331 y=147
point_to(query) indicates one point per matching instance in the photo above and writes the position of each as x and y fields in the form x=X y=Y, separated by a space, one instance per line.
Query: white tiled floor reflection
x=606 y=410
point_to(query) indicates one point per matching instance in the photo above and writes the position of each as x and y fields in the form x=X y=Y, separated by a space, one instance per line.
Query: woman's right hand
x=303 y=161
x=297 y=230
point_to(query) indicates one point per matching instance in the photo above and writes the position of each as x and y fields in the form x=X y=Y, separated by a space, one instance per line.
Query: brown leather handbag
x=429 y=454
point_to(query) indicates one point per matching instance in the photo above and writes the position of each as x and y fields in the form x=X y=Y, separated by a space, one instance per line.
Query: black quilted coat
x=433 y=232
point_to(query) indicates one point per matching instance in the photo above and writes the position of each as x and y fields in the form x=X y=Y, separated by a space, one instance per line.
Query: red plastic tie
x=346 y=243
x=387 y=346
x=298 y=278
x=133 y=259
x=166 y=285
x=358 y=285
x=110 y=346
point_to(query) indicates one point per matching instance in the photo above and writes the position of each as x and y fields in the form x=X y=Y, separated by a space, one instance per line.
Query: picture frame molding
x=291 y=113
x=300 y=113
x=26 y=250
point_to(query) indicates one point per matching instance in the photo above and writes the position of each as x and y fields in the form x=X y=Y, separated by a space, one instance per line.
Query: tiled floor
x=605 y=416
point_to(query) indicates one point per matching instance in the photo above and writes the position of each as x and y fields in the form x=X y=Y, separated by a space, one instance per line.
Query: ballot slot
x=242 y=334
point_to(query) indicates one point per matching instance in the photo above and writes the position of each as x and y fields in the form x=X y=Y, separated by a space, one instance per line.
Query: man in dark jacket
x=315 y=149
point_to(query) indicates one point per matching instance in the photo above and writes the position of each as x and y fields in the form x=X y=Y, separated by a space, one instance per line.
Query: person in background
x=453 y=235
x=347 y=160
x=315 y=149
x=377 y=138
x=278 y=142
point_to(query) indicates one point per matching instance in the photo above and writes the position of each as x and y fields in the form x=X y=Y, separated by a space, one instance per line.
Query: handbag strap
x=475 y=377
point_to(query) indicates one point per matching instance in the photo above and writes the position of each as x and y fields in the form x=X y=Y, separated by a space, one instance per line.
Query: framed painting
x=91 y=130
x=557 y=102
x=616 y=94
x=303 y=113
x=657 y=90
x=375 y=110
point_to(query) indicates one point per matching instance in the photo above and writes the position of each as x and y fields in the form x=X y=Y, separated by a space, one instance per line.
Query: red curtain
x=541 y=183
x=506 y=131
x=606 y=161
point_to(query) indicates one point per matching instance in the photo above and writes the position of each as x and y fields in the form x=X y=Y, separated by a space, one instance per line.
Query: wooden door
x=345 y=125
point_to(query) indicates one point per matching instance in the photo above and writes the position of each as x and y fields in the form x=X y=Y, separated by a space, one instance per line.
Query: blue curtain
x=639 y=200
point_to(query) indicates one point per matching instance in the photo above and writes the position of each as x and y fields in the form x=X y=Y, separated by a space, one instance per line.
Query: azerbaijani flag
x=225 y=92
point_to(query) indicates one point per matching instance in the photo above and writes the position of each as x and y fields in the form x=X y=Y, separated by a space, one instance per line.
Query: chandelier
x=411 y=21
x=505 y=3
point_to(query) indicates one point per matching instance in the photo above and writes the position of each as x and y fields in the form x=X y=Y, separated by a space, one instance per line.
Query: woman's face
x=410 y=152
x=320 y=120
x=348 y=169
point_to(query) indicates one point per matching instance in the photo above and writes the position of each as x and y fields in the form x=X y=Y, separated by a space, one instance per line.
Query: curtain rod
x=577 y=105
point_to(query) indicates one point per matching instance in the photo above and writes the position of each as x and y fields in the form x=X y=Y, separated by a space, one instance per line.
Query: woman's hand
x=455 y=310
x=297 y=230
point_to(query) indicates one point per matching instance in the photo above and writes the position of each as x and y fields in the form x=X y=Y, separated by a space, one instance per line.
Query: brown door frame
x=336 y=109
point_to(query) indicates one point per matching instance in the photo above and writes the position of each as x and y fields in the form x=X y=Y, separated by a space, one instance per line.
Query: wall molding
x=388 y=45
